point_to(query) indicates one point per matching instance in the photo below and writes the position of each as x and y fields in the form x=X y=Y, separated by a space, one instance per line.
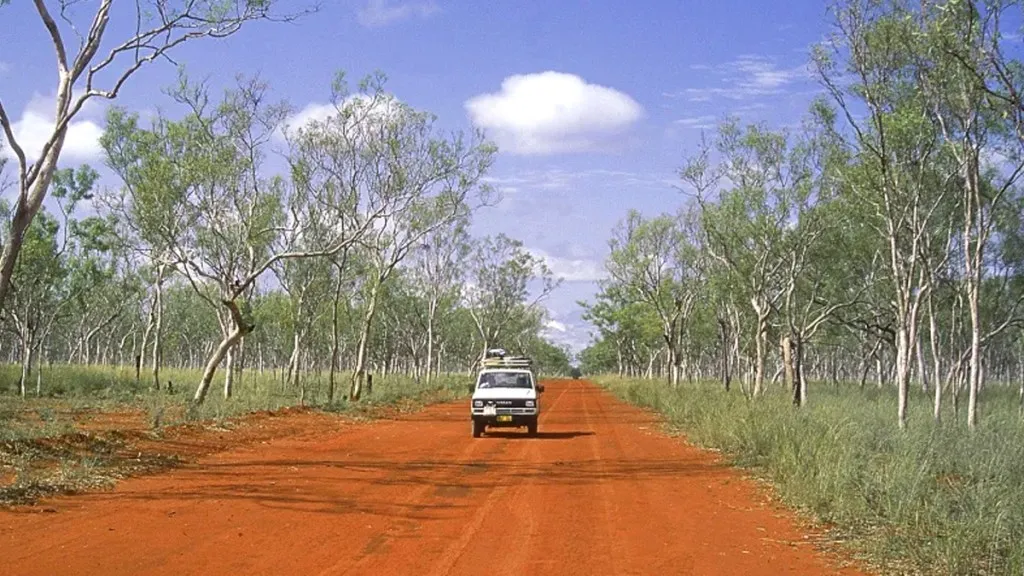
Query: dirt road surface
x=600 y=491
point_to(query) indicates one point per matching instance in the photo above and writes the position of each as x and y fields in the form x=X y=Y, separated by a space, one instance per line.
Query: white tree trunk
x=229 y=371
x=359 y=373
x=933 y=335
x=902 y=372
x=974 y=379
x=158 y=325
x=430 y=342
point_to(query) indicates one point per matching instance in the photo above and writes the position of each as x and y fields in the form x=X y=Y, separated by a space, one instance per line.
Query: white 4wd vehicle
x=505 y=395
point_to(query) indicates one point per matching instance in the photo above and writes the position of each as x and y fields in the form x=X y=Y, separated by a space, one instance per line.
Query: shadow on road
x=378 y=486
x=541 y=435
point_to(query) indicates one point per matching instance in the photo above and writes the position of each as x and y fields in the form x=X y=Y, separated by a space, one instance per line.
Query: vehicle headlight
x=478 y=403
x=530 y=403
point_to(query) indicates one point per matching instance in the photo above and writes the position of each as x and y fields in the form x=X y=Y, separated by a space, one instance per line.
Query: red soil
x=600 y=491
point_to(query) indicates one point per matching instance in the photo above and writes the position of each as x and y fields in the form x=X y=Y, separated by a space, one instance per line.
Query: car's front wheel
x=531 y=427
x=478 y=428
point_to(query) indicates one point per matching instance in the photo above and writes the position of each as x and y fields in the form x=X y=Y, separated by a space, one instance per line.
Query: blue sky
x=593 y=104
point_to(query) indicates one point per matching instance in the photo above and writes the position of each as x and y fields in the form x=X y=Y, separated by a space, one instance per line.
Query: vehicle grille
x=514 y=407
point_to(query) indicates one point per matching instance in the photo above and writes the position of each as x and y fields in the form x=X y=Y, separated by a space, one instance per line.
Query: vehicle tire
x=478 y=428
x=531 y=428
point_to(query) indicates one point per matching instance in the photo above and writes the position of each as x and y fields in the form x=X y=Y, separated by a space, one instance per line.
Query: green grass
x=67 y=390
x=933 y=499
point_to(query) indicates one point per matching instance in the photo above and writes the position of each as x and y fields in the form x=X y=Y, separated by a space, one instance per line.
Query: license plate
x=504 y=418
x=490 y=410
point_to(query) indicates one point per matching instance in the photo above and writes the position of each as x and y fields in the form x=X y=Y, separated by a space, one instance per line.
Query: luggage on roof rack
x=507 y=362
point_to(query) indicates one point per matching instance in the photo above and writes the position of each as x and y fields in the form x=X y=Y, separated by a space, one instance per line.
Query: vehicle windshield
x=505 y=380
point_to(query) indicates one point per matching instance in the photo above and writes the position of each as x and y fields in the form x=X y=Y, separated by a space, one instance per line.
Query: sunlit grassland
x=66 y=390
x=932 y=499
x=80 y=432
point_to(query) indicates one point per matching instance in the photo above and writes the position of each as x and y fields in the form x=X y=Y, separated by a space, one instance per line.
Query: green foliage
x=500 y=304
x=550 y=360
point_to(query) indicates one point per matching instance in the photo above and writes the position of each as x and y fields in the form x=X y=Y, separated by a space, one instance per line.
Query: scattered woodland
x=837 y=305
x=881 y=242
x=840 y=306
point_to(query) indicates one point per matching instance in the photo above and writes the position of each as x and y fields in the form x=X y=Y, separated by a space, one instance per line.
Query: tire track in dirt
x=452 y=555
x=651 y=544
x=396 y=531
x=617 y=553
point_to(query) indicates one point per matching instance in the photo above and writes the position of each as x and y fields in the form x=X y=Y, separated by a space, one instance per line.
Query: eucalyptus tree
x=817 y=279
x=400 y=324
x=497 y=294
x=655 y=262
x=196 y=185
x=191 y=328
x=962 y=71
x=346 y=269
x=99 y=69
x=38 y=289
x=868 y=67
x=742 y=224
x=412 y=178
x=437 y=270
x=633 y=326
x=308 y=283
x=68 y=264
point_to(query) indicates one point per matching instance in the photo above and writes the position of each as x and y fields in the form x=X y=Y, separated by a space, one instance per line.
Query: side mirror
x=540 y=387
x=472 y=388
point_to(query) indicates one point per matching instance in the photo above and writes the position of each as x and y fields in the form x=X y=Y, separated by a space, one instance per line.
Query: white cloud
x=4 y=67
x=378 y=13
x=35 y=127
x=700 y=122
x=317 y=112
x=545 y=191
x=556 y=326
x=746 y=77
x=313 y=112
x=571 y=269
x=567 y=329
x=553 y=112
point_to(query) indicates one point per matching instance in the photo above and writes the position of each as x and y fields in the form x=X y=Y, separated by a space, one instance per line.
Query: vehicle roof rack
x=507 y=362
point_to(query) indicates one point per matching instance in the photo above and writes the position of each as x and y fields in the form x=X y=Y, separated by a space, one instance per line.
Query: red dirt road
x=600 y=491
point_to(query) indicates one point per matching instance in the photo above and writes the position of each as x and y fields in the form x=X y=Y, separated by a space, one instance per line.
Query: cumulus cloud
x=379 y=13
x=36 y=124
x=571 y=269
x=553 y=112
x=313 y=112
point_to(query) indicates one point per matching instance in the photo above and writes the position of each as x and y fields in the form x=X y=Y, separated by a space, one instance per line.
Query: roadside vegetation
x=96 y=426
x=837 y=305
x=932 y=500
x=840 y=305
x=233 y=255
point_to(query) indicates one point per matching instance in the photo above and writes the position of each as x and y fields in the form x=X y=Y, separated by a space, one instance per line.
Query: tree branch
x=58 y=42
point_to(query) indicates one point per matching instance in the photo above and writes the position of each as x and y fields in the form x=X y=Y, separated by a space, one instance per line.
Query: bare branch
x=58 y=42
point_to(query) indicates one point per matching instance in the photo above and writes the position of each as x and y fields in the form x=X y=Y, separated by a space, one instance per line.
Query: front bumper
x=514 y=413
x=505 y=420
